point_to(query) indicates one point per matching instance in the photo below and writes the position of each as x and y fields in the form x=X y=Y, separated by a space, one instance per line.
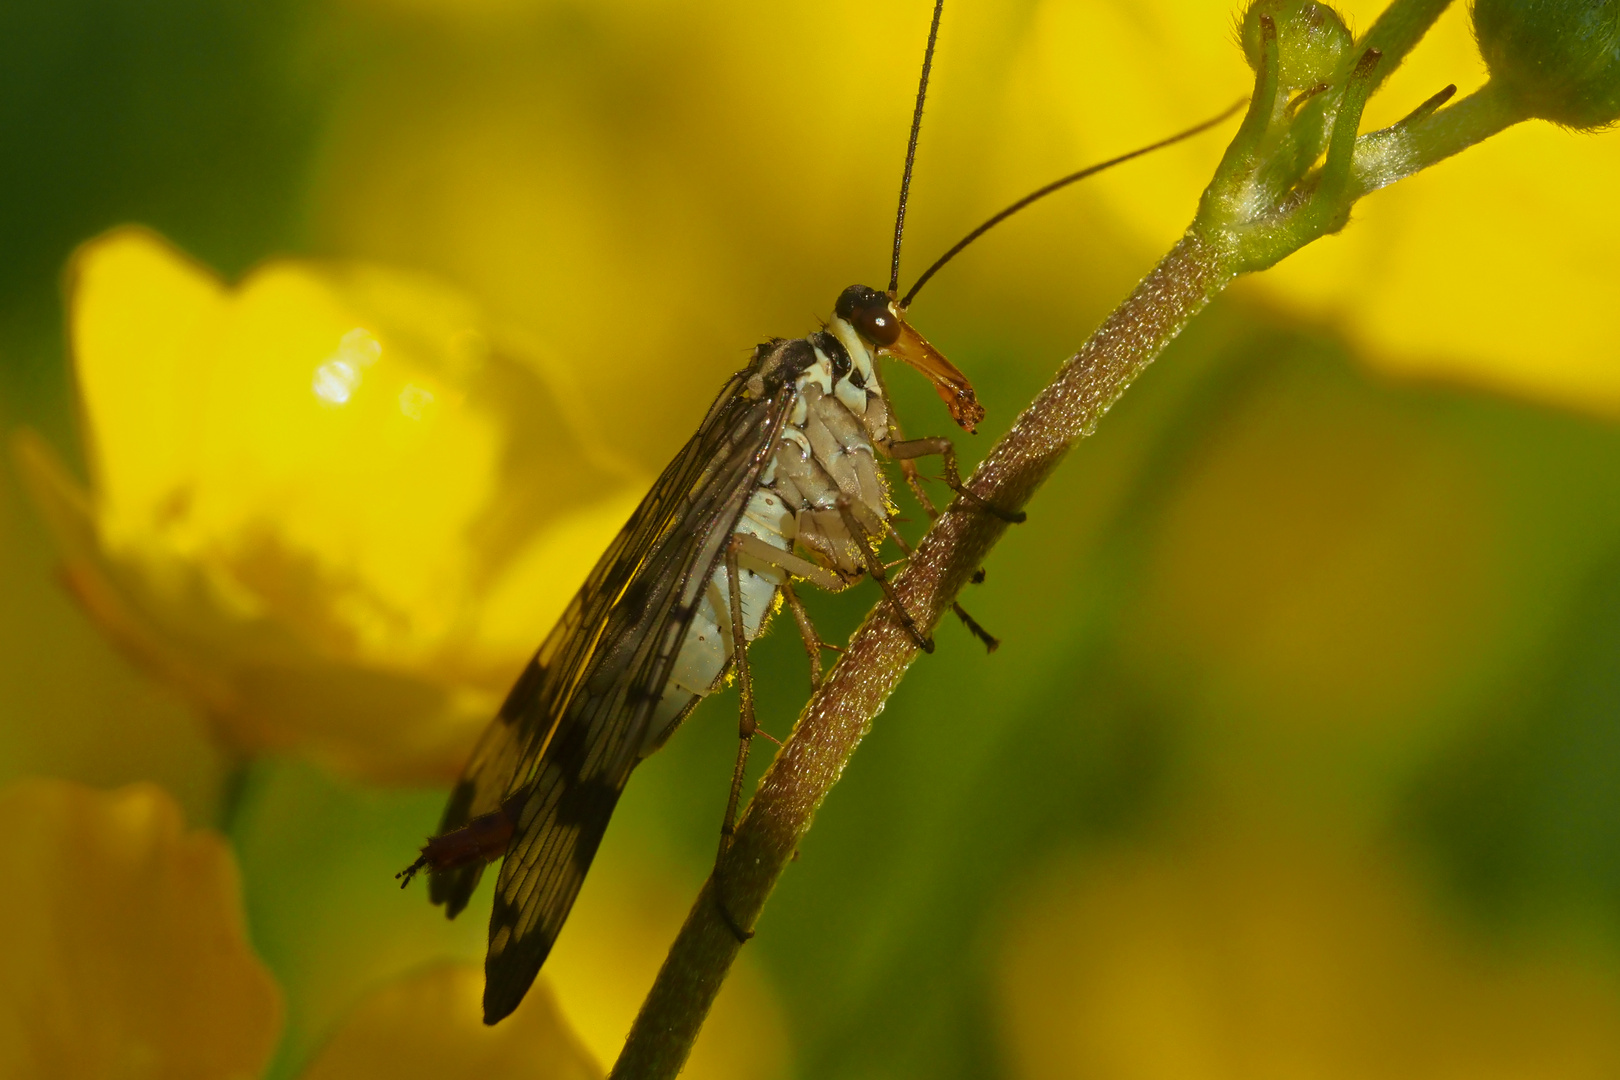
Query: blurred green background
x=1301 y=755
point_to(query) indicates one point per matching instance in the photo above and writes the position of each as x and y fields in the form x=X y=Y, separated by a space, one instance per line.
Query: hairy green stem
x=1400 y=27
x=1397 y=152
x=841 y=712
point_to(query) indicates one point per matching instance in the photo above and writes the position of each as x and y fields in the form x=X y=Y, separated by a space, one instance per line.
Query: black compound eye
x=876 y=322
x=868 y=311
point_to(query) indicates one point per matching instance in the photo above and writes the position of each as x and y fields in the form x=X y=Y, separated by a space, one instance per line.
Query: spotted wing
x=569 y=733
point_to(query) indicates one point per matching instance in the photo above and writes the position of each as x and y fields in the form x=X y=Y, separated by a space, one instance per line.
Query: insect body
x=786 y=460
x=788 y=454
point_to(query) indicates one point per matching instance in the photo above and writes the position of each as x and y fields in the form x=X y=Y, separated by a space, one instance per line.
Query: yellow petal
x=136 y=387
x=1492 y=268
x=122 y=947
x=1252 y=961
x=564 y=552
x=430 y=1025
x=262 y=685
x=1114 y=76
x=650 y=248
x=306 y=489
x=72 y=707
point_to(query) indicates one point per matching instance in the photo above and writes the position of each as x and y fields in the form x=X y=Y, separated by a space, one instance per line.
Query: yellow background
x=1298 y=758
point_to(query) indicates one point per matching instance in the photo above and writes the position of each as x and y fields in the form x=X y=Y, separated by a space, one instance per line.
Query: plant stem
x=1401 y=26
x=841 y=711
x=1397 y=152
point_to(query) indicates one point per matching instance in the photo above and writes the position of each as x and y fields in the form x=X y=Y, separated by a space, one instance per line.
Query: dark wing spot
x=526 y=689
x=453 y=886
x=634 y=601
x=506 y=983
x=583 y=801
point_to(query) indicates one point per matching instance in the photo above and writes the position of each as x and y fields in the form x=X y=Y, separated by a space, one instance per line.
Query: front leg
x=912 y=449
x=874 y=566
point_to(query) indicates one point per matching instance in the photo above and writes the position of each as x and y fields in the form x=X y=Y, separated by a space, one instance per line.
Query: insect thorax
x=827 y=447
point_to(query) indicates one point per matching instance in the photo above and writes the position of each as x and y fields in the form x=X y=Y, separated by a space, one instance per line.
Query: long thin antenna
x=911 y=149
x=1041 y=193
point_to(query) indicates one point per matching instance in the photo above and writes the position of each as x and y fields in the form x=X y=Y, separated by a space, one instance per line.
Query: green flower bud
x=1311 y=40
x=1560 y=59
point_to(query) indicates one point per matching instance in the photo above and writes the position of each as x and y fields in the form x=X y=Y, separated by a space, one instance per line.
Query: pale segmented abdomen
x=826 y=449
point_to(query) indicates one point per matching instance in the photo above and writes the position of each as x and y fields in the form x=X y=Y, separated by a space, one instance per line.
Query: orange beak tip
x=953 y=387
x=965 y=408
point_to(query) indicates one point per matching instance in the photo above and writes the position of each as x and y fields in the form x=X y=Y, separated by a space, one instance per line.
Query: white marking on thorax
x=856 y=347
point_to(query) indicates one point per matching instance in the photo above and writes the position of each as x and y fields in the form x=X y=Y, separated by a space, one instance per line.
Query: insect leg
x=916 y=448
x=746 y=724
x=908 y=469
x=991 y=642
x=746 y=727
x=900 y=541
x=807 y=632
x=874 y=566
x=755 y=548
x=820 y=576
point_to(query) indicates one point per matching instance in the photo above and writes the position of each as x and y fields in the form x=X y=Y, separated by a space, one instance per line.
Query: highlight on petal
x=653 y=219
x=304 y=490
x=122 y=944
x=1244 y=962
x=430 y=1025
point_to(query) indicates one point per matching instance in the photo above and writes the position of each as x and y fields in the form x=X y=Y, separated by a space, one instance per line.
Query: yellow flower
x=430 y=1025
x=1249 y=962
x=122 y=948
x=330 y=503
x=629 y=180
x=1493 y=268
x=123 y=954
x=730 y=195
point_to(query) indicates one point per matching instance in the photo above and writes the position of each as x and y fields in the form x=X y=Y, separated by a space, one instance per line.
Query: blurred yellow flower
x=431 y=1025
x=1284 y=962
x=329 y=503
x=122 y=947
x=731 y=166
x=606 y=960
x=574 y=163
x=123 y=954
x=1494 y=268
